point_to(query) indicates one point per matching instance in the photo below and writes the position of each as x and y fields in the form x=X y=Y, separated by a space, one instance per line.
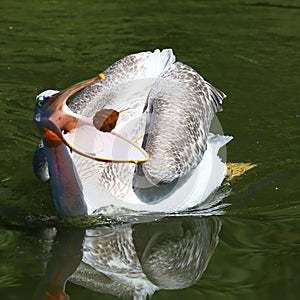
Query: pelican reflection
x=131 y=261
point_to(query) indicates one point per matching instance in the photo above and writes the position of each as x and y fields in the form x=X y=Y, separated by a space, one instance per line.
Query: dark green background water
x=248 y=49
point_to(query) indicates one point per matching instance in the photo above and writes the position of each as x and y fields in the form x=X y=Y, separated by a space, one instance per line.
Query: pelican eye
x=42 y=100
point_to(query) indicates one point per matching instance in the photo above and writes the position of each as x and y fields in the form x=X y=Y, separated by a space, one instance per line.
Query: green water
x=248 y=49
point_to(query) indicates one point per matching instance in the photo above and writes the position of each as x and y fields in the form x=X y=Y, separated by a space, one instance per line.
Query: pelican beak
x=59 y=99
x=80 y=134
x=87 y=140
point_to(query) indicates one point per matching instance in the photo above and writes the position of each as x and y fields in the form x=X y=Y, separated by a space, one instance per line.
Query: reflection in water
x=131 y=260
x=66 y=254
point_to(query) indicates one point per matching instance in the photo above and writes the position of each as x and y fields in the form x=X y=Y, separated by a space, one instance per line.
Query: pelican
x=137 y=138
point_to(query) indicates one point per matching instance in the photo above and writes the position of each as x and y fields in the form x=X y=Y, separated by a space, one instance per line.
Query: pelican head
x=45 y=107
x=51 y=113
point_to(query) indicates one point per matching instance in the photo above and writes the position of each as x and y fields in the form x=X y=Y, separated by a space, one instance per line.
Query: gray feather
x=39 y=162
x=108 y=92
x=181 y=106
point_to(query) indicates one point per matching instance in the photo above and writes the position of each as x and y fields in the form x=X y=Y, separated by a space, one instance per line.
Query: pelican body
x=159 y=156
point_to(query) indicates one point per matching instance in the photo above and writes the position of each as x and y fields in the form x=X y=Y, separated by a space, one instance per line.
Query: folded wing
x=181 y=106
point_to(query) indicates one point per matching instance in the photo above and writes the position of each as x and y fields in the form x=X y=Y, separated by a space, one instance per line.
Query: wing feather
x=181 y=106
x=121 y=78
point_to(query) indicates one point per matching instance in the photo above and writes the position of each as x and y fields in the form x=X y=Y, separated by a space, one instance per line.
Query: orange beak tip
x=101 y=76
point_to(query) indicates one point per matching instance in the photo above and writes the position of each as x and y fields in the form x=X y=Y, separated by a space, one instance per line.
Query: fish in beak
x=58 y=124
